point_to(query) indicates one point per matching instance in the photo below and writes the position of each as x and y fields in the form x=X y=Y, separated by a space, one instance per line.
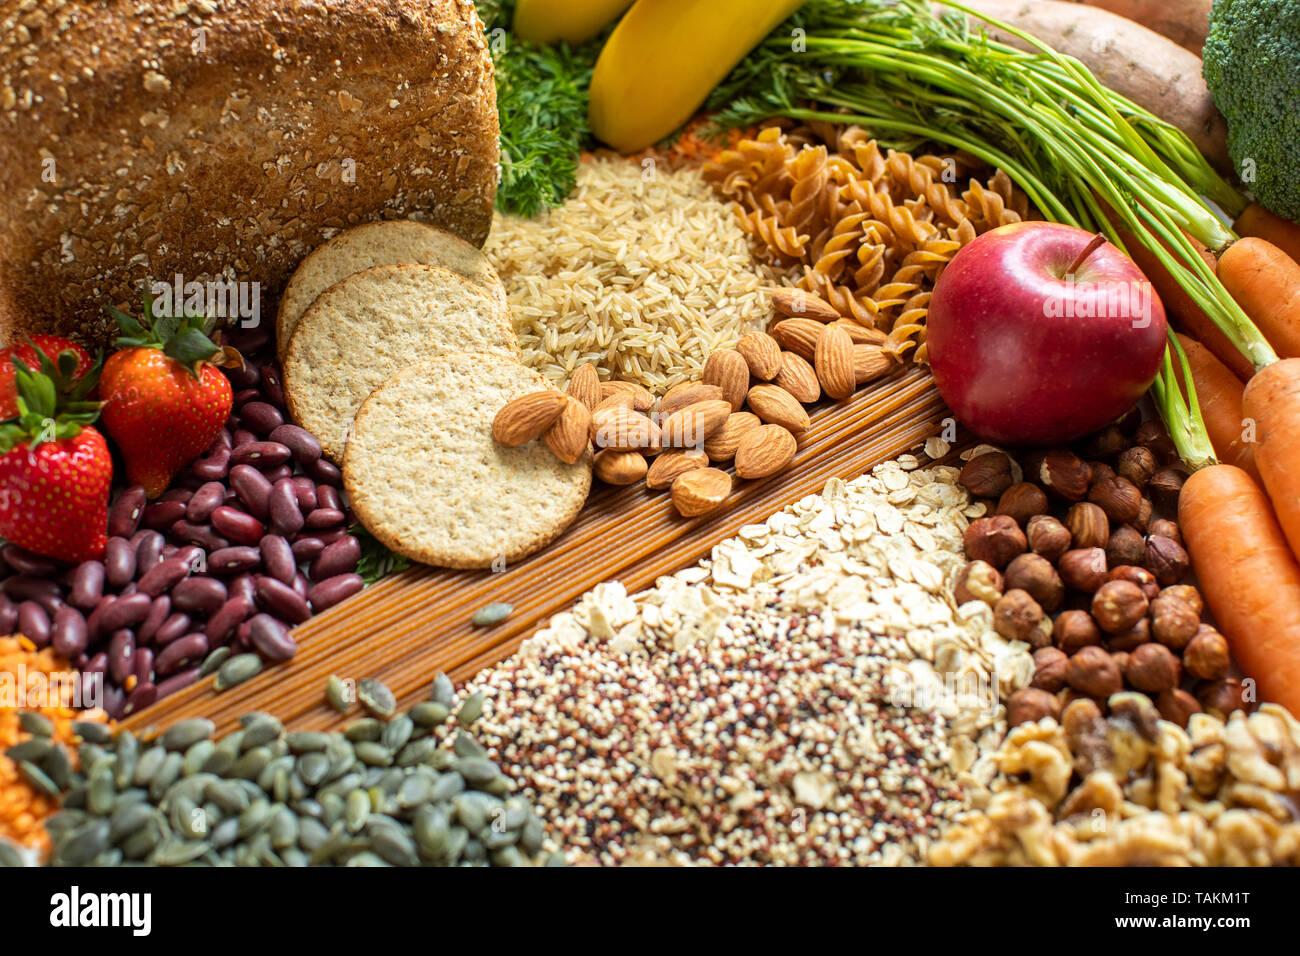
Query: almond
x=584 y=385
x=764 y=451
x=722 y=446
x=675 y=461
x=615 y=400
x=621 y=429
x=700 y=491
x=693 y=425
x=642 y=400
x=688 y=393
x=527 y=417
x=797 y=302
x=619 y=467
x=778 y=407
x=567 y=438
x=860 y=334
x=834 y=363
x=798 y=336
x=870 y=362
x=798 y=378
x=728 y=370
x=762 y=354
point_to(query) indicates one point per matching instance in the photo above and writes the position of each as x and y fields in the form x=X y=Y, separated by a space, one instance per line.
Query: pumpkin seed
x=33 y=749
x=417 y=752
x=414 y=791
x=10 y=855
x=429 y=713
x=365 y=729
x=448 y=786
x=259 y=729
x=224 y=755
x=467 y=746
x=507 y=856
x=35 y=723
x=457 y=840
x=338 y=694
x=376 y=697
x=284 y=829
x=168 y=772
x=225 y=833
x=187 y=733
x=227 y=795
x=251 y=763
x=236 y=670
x=491 y=614
x=373 y=754
x=37 y=779
x=175 y=852
x=311 y=834
x=470 y=813
x=312 y=768
x=92 y=731
x=128 y=751
x=214 y=660
x=397 y=732
x=471 y=710
x=356 y=810
x=476 y=770
x=307 y=741
x=58 y=767
x=294 y=857
x=443 y=691
x=126 y=820
x=196 y=756
x=392 y=843
x=85 y=843
x=255 y=816
x=530 y=837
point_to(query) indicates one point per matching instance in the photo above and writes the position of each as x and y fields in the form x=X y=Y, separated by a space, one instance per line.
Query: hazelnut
x=1188 y=594
x=988 y=475
x=1166 y=529
x=1118 y=497
x=1022 y=501
x=1177 y=706
x=1091 y=671
x=1018 y=617
x=996 y=540
x=1154 y=436
x=1137 y=464
x=1153 y=668
x=1121 y=659
x=1049 y=669
x=1134 y=637
x=1098 y=471
x=1029 y=705
x=1075 y=630
x=1035 y=574
x=1083 y=569
x=1206 y=655
x=1118 y=605
x=1143 y=518
x=1107 y=443
x=1139 y=576
x=1064 y=474
x=1166 y=560
x=978 y=581
x=1080 y=717
x=1164 y=488
x=1125 y=547
x=1128 y=422
x=1174 y=620
x=1047 y=537
x=1222 y=697
x=1088 y=524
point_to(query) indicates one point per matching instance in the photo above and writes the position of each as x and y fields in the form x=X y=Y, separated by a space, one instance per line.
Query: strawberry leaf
x=190 y=347
x=131 y=329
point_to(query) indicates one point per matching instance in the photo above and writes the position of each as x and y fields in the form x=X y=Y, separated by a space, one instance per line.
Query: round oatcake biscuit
x=426 y=478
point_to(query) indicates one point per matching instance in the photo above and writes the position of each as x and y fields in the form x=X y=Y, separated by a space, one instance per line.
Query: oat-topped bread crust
x=225 y=138
x=426 y=478
x=379 y=244
x=360 y=331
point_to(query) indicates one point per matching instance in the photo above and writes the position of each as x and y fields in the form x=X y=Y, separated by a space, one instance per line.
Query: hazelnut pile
x=1077 y=561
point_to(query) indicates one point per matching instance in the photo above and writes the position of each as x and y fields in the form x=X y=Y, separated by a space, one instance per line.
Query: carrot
x=1248 y=575
x=1219 y=393
x=1186 y=22
x=1265 y=281
x=1272 y=402
x=1257 y=221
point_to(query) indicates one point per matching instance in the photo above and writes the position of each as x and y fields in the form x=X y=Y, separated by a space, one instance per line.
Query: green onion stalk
x=1076 y=148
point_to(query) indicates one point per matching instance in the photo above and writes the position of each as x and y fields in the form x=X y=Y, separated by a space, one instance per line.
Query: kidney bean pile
x=251 y=539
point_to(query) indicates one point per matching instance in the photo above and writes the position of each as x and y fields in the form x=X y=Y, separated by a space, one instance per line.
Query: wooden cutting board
x=406 y=628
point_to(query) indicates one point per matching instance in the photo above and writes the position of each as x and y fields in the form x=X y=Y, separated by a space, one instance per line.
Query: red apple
x=1026 y=353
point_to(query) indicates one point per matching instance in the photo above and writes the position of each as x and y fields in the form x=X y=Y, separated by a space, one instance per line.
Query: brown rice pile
x=643 y=272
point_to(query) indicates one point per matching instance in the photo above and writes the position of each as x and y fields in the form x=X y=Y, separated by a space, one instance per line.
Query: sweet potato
x=1186 y=22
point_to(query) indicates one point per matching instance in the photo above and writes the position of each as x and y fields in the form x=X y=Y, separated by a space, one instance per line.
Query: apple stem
x=1088 y=250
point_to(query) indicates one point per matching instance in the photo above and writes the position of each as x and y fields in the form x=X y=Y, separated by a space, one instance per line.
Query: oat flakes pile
x=783 y=702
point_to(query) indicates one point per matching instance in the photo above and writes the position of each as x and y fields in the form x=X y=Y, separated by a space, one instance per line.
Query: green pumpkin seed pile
x=381 y=793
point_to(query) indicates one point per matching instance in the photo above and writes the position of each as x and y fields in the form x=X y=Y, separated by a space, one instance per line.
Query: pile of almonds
x=748 y=407
x=1077 y=560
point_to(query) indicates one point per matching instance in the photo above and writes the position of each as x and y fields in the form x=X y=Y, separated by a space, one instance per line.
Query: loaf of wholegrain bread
x=226 y=139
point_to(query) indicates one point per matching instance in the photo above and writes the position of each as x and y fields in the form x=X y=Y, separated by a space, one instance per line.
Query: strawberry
x=164 y=400
x=55 y=470
x=30 y=352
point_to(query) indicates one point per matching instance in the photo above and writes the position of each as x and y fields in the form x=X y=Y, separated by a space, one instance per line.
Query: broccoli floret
x=1252 y=66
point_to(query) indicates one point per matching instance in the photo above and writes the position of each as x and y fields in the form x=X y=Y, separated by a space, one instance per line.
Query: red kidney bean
x=138 y=699
x=301 y=585
x=124 y=515
x=24 y=587
x=331 y=591
x=323 y=518
x=271 y=638
x=183 y=495
x=192 y=555
x=163 y=514
x=142 y=665
x=324 y=472
x=121 y=648
x=231 y=614
x=201 y=535
x=125 y=612
x=34 y=623
x=286 y=517
x=242 y=437
x=24 y=562
x=97 y=664
x=224 y=439
x=255 y=338
x=206 y=500
x=92 y=619
x=8 y=615
x=261 y=417
x=242 y=585
x=114 y=700
x=272 y=386
x=232 y=423
x=164 y=576
x=168 y=550
x=263 y=454
x=178 y=681
x=253 y=490
x=244 y=635
x=172 y=628
x=243 y=397
x=149 y=546
x=331 y=535
x=213 y=466
x=189 y=481
x=119 y=562
x=278 y=473
x=281 y=600
x=277 y=558
x=68 y=633
x=87 y=585
x=185 y=650
x=306 y=548
x=327 y=496
x=238 y=526
x=341 y=557
x=199 y=594
x=159 y=611
x=241 y=378
x=234 y=560
x=303 y=444
x=305 y=489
